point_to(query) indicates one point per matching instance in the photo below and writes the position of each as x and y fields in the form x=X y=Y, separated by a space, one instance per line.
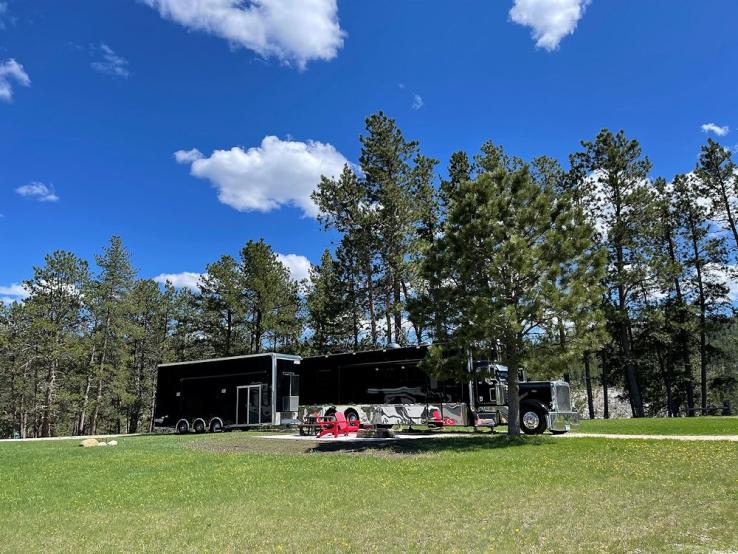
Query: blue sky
x=97 y=97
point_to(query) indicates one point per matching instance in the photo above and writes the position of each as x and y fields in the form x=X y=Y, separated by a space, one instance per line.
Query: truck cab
x=543 y=404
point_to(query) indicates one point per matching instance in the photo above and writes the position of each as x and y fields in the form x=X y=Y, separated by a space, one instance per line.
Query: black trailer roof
x=406 y=354
x=228 y=358
x=410 y=355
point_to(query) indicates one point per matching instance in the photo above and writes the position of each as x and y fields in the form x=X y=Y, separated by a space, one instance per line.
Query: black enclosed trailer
x=228 y=393
x=380 y=387
x=389 y=387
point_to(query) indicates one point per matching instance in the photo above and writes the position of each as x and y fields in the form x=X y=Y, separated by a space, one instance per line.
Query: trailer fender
x=199 y=425
x=183 y=426
x=216 y=425
x=352 y=415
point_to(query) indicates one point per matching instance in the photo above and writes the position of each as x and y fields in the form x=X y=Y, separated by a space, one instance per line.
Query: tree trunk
x=229 y=316
x=606 y=403
x=397 y=307
x=588 y=383
x=667 y=381
x=96 y=411
x=257 y=332
x=50 y=387
x=83 y=409
x=682 y=336
x=703 y=313
x=354 y=307
x=388 y=316
x=634 y=391
x=729 y=213
x=513 y=405
x=370 y=301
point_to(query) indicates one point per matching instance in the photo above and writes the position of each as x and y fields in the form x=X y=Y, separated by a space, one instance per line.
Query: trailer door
x=248 y=405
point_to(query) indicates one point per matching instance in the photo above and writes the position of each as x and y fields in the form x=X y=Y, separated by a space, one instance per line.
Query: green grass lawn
x=236 y=491
x=709 y=425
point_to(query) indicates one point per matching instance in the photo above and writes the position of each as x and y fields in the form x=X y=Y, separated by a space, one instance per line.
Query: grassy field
x=235 y=491
x=711 y=425
x=663 y=426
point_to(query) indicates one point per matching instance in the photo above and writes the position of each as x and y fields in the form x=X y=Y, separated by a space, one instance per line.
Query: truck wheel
x=183 y=426
x=216 y=425
x=198 y=425
x=532 y=419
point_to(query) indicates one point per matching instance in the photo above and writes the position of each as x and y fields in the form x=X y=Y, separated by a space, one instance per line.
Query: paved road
x=730 y=438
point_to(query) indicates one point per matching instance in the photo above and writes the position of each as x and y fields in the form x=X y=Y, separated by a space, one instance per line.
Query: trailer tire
x=532 y=419
x=216 y=425
x=183 y=426
x=198 y=425
x=352 y=415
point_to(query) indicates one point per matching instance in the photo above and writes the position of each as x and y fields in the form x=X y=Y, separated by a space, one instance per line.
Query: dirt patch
x=241 y=443
x=246 y=443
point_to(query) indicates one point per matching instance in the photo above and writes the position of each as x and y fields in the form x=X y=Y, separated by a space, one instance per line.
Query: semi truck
x=379 y=388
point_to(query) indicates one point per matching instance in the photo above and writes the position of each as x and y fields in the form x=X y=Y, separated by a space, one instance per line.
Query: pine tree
x=329 y=314
x=611 y=176
x=718 y=182
x=347 y=206
x=150 y=311
x=705 y=260
x=55 y=307
x=269 y=299
x=222 y=312
x=107 y=299
x=513 y=259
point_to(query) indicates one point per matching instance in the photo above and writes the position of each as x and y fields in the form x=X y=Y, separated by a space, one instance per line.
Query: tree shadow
x=428 y=445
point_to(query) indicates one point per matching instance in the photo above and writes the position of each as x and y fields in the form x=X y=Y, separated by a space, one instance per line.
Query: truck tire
x=532 y=419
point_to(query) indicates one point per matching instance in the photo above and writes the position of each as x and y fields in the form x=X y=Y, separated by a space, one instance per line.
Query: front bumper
x=563 y=421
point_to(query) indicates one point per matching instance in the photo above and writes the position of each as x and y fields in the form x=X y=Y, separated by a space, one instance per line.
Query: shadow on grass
x=427 y=445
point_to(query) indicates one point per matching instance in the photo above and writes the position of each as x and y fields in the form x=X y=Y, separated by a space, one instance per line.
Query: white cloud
x=417 y=102
x=188 y=156
x=298 y=266
x=266 y=177
x=11 y=70
x=716 y=129
x=109 y=62
x=12 y=293
x=39 y=191
x=550 y=20
x=185 y=280
x=293 y=32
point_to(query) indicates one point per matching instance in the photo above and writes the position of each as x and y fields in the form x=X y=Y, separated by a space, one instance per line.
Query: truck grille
x=563 y=397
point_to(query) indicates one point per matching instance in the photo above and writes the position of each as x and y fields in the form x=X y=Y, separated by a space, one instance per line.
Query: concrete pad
x=353 y=438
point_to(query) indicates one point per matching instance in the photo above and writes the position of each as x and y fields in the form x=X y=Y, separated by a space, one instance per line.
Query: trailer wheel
x=532 y=419
x=351 y=415
x=198 y=425
x=183 y=426
x=216 y=425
